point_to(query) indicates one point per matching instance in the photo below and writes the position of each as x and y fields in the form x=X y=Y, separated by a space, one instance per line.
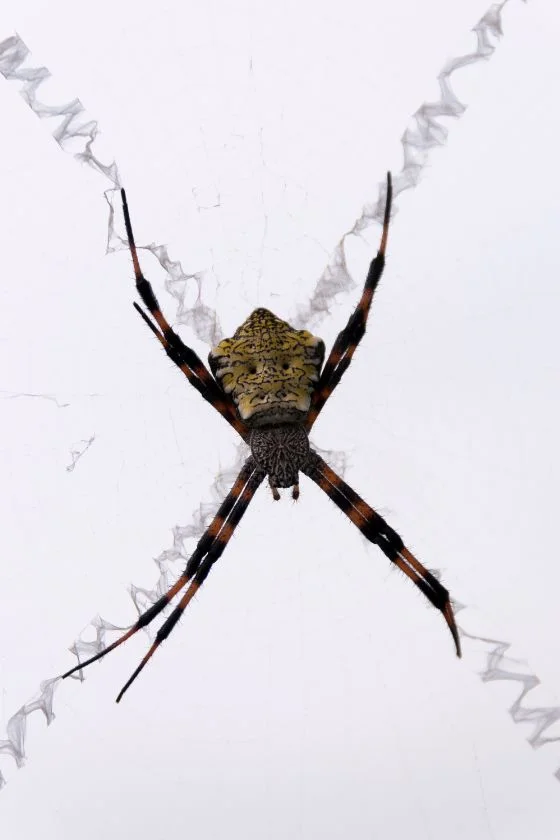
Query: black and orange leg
x=208 y=550
x=349 y=338
x=377 y=531
x=183 y=356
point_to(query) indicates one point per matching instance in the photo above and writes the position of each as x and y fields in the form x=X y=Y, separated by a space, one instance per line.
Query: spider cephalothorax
x=269 y=386
x=269 y=369
x=281 y=452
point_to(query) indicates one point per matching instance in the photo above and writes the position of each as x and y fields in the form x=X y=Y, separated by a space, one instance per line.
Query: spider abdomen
x=269 y=368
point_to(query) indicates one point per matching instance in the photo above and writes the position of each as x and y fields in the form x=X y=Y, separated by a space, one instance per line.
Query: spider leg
x=215 y=397
x=211 y=544
x=202 y=572
x=349 y=338
x=377 y=531
x=183 y=356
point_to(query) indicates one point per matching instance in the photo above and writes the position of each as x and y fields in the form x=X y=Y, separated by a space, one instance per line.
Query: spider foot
x=449 y=616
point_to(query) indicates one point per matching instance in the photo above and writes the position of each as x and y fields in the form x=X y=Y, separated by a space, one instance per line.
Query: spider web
x=423 y=135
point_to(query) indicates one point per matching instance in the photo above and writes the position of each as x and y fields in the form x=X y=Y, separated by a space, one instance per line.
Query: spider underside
x=268 y=381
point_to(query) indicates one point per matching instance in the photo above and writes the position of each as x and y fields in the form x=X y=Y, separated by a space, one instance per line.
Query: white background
x=309 y=692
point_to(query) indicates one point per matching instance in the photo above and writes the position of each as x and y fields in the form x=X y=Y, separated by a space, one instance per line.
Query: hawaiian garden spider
x=268 y=384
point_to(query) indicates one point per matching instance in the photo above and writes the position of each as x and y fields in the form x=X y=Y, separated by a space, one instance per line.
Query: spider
x=269 y=383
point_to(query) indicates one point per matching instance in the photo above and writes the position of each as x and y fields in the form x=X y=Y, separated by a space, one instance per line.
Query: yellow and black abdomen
x=269 y=368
